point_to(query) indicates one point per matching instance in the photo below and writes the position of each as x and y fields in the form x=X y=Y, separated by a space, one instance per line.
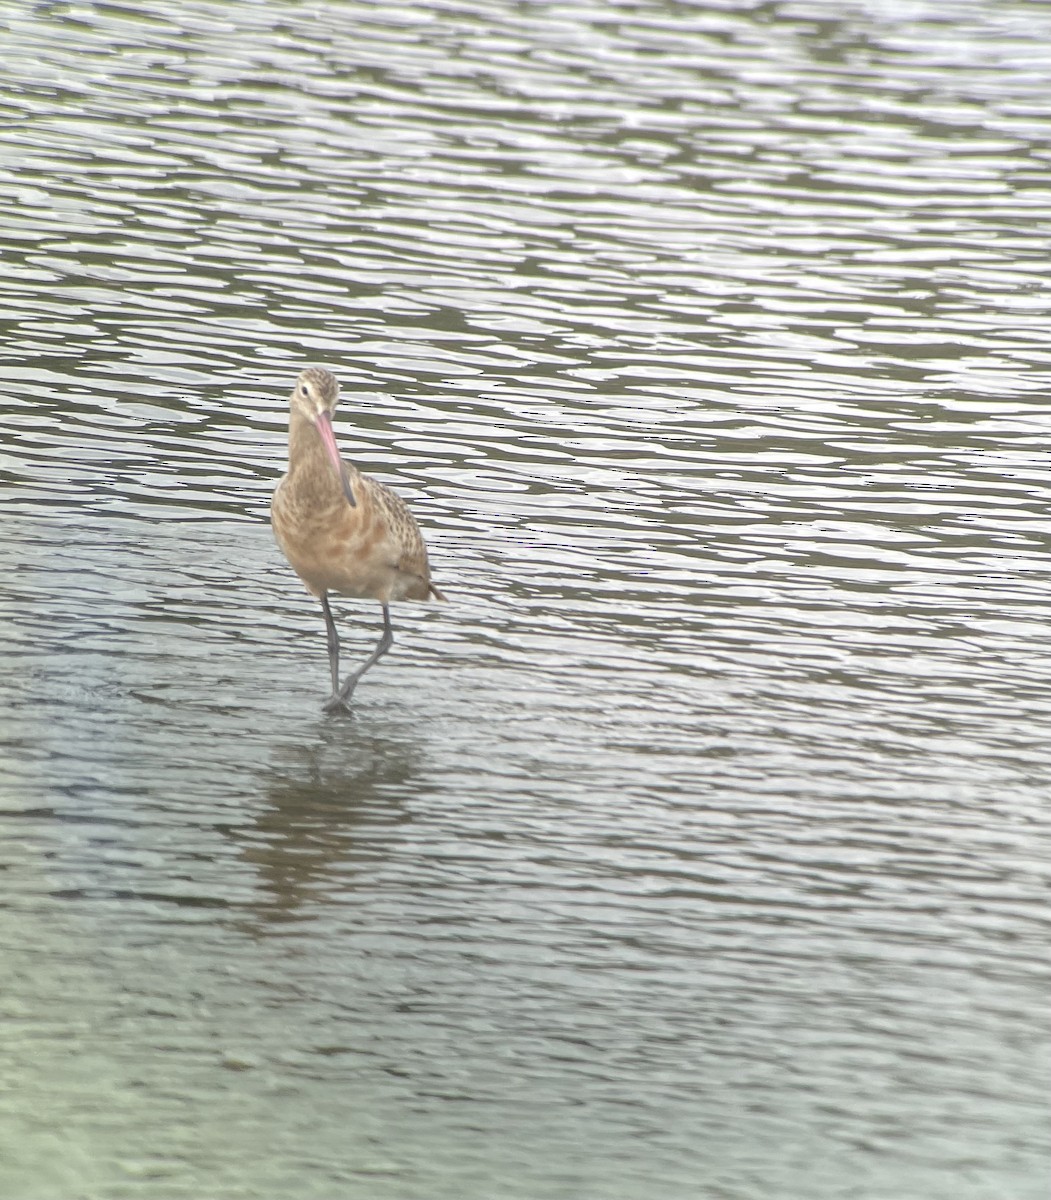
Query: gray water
x=698 y=848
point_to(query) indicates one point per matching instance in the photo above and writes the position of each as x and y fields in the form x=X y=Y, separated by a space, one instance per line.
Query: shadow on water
x=325 y=809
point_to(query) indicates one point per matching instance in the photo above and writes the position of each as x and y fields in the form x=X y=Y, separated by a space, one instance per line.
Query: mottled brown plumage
x=343 y=531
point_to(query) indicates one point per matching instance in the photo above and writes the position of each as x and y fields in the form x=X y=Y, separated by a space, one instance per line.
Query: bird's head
x=317 y=391
x=315 y=396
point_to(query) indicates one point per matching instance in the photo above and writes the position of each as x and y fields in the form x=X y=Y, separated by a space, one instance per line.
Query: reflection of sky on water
x=696 y=843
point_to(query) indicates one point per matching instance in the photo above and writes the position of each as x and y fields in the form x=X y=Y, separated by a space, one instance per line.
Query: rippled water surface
x=699 y=847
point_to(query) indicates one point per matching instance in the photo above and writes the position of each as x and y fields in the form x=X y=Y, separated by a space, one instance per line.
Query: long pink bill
x=324 y=427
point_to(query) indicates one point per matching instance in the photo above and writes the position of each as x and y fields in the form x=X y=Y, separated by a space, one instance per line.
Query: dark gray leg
x=333 y=652
x=340 y=700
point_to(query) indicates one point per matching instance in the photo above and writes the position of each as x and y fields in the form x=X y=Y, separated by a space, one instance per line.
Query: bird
x=342 y=531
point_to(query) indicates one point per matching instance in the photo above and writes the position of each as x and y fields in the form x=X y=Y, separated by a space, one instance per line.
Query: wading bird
x=342 y=531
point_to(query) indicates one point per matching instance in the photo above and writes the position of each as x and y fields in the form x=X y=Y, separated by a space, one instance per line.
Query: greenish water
x=699 y=846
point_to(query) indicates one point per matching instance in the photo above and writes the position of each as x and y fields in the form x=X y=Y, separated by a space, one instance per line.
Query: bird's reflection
x=329 y=805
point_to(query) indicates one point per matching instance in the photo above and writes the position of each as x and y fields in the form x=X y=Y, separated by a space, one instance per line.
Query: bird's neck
x=308 y=461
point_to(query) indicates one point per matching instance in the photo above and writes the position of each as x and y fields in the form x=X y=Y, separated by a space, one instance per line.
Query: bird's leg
x=341 y=698
x=334 y=703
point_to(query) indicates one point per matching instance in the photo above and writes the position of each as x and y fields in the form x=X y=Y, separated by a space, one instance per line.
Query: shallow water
x=699 y=846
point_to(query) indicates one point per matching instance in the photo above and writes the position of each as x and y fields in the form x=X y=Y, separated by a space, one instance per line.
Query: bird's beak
x=323 y=423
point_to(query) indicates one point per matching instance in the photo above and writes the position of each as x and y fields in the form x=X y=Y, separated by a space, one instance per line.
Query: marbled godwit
x=342 y=531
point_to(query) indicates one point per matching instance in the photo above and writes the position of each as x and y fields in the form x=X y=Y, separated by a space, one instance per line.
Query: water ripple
x=701 y=840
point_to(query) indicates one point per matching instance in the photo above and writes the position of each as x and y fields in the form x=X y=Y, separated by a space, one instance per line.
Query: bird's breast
x=333 y=547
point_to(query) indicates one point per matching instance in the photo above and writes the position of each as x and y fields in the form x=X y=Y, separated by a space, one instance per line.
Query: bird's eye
x=304 y=389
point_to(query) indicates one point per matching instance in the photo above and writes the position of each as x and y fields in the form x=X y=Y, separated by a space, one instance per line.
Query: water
x=698 y=847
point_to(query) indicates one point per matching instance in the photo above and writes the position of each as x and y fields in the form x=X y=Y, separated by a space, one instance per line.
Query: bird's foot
x=337 y=703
